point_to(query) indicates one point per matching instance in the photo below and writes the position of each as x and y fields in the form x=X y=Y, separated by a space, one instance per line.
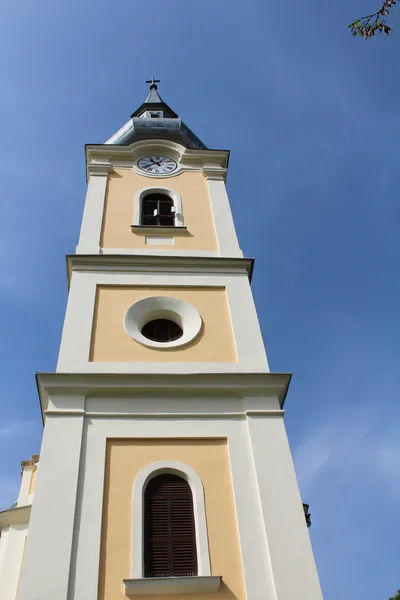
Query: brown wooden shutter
x=169 y=535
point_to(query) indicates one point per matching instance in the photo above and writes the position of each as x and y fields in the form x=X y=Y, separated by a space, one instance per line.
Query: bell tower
x=165 y=467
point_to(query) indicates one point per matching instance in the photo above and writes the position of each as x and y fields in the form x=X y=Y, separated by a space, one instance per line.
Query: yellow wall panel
x=210 y=459
x=111 y=343
x=119 y=208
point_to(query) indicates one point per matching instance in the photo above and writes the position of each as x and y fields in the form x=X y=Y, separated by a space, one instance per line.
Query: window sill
x=157 y=229
x=172 y=585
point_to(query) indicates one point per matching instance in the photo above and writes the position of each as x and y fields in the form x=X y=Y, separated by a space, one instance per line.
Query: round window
x=162 y=322
x=162 y=330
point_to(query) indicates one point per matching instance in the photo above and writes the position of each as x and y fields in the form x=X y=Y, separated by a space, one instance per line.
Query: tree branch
x=367 y=26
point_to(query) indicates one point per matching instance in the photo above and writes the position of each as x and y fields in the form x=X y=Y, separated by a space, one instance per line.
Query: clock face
x=157 y=164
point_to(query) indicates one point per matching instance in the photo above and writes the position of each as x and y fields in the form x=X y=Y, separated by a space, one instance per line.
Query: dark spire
x=155 y=102
x=154 y=119
x=153 y=96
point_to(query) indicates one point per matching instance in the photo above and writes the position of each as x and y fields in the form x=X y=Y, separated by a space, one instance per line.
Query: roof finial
x=153 y=83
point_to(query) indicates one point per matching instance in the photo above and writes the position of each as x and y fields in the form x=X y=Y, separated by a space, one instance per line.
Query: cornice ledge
x=111 y=150
x=239 y=380
x=247 y=383
x=99 y=169
x=215 y=173
x=15 y=516
x=137 y=261
x=34 y=459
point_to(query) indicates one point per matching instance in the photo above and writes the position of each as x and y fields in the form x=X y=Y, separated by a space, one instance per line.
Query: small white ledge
x=162 y=229
x=172 y=585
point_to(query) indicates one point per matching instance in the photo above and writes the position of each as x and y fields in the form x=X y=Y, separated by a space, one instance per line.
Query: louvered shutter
x=169 y=536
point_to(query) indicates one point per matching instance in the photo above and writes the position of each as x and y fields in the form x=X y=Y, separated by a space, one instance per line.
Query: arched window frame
x=141 y=194
x=138 y=496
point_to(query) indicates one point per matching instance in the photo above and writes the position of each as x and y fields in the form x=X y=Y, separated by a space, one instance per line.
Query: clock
x=157 y=165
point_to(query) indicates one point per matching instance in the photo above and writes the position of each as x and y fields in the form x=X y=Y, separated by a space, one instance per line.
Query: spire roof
x=154 y=101
x=154 y=119
x=153 y=96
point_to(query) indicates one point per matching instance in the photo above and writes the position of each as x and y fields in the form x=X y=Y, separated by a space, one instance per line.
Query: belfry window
x=158 y=210
x=169 y=528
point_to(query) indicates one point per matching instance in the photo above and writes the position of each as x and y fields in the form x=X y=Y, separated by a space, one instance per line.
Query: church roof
x=142 y=125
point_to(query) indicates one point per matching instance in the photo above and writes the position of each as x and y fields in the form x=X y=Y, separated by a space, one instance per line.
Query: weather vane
x=153 y=83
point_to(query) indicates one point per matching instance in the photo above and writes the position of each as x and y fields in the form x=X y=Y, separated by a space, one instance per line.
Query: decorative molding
x=196 y=486
x=99 y=169
x=168 y=415
x=66 y=413
x=215 y=173
x=147 y=252
x=125 y=157
x=15 y=516
x=236 y=385
x=172 y=585
x=34 y=459
x=138 y=262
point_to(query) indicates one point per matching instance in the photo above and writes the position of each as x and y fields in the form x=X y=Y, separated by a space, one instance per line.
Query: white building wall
x=89 y=239
x=63 y=549
x=228 y=243
x=45 y=571
x=77 y=331
x=65 y=529
x=3 y=548
x=12 y=544
x=24 y=496
x=293 y=564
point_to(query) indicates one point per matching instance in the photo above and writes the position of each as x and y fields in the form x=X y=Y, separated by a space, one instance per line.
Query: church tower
x=165 y=468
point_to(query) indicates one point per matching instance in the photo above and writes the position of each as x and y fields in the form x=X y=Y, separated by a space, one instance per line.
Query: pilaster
x=23 y=497
x=292 y=560
x=89 y=239
x=223 y=220
x=12 y=544
x=46 y=566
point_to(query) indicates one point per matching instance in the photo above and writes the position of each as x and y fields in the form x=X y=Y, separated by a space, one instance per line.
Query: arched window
x=157 y=207
x=169 y=528
x=158 y=210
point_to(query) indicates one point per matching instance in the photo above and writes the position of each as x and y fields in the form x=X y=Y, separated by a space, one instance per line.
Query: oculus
x=162 y=330
x=157 y=165
x=162 y=322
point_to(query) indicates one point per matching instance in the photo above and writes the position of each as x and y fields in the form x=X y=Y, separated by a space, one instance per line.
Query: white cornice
x=92 y=414
x=215 y=173
x=15 y=516
x=243 y=386
x=214 y=162
x=124 y=262
x=99 y=169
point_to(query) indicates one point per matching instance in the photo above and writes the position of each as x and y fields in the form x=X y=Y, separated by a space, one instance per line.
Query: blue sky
x=312 y=119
